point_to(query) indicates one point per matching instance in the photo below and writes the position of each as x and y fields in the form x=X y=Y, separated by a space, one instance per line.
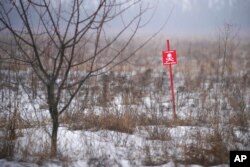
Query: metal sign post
x=168 y=58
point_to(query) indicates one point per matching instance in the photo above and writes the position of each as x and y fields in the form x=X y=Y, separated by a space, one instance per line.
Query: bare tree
x=58 y=38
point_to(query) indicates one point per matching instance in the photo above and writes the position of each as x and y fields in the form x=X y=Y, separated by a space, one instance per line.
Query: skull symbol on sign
x=169 y=57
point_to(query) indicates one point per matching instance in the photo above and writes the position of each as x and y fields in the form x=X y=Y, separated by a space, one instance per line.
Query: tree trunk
x=53 y=149
x=54 y=116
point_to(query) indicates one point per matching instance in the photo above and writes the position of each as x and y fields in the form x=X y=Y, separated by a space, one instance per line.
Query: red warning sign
x=169 y=57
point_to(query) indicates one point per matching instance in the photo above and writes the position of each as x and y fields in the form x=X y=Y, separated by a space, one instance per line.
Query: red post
x=171 y=83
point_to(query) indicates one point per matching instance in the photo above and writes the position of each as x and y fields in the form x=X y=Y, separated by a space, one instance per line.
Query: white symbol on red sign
x=169 y=57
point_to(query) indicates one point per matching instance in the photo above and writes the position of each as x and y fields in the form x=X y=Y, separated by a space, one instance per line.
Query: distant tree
x=57 y=38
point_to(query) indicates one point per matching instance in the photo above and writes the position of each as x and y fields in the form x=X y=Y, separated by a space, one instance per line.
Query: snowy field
x=125 y=119
x=106 y=148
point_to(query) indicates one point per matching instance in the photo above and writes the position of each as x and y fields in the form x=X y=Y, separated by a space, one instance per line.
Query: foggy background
x=189 y=18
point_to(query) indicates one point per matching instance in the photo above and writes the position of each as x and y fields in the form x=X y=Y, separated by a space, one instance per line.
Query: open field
x=124 y=117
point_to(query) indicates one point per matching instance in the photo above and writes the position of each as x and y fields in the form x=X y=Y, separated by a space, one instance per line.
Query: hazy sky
x=190 y=17
x=202 y=17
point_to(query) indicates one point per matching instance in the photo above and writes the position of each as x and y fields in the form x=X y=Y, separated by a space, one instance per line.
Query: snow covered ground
x=213 y=118
x=104 y=148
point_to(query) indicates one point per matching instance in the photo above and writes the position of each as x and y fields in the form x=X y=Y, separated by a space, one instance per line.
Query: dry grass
x=200 y=73
x=121 y=123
